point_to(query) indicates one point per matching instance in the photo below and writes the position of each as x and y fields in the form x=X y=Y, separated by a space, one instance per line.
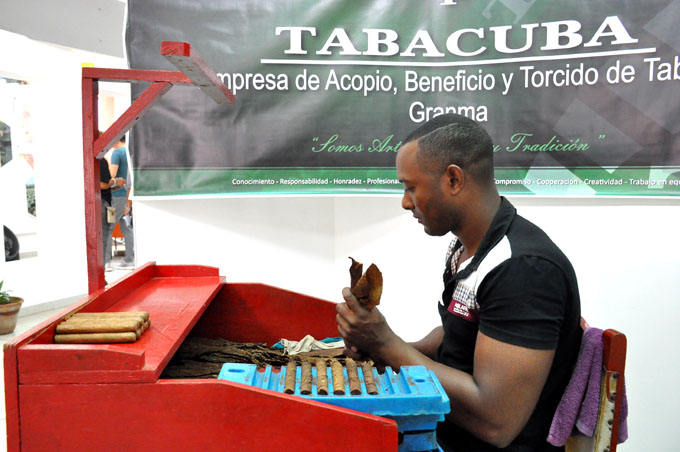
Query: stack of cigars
x=102 y=327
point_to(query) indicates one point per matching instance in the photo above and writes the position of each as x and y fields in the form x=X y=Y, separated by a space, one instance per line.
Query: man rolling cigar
x=509 y=309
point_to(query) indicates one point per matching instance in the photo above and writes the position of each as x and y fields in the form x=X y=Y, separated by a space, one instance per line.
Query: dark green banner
x=580 y=97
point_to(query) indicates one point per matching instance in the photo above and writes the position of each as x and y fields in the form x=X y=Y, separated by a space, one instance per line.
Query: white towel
x=307 y=344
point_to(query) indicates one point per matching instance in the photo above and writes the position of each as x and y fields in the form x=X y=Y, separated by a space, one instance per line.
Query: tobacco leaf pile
x=200 y=357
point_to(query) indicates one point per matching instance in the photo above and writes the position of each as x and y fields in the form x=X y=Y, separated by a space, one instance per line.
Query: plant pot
x=8 y=315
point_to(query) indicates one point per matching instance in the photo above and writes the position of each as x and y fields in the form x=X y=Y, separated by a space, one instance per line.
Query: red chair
x=116 y=238
x=611 y=395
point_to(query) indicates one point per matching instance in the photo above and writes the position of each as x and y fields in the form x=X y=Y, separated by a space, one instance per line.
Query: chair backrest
x=611 y=396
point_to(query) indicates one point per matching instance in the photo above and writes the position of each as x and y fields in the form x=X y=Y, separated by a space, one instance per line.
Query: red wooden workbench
x=110 y=397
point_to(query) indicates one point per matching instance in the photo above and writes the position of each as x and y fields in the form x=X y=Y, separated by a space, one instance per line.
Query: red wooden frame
x=193 y=71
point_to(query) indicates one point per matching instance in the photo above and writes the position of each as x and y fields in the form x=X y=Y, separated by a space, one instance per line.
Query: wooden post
x=91 y=174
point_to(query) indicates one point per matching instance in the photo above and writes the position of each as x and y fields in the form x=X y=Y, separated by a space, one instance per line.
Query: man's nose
x=406 y=202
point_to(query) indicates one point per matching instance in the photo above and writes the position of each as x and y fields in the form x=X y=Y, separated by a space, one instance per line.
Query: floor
x=27 y=322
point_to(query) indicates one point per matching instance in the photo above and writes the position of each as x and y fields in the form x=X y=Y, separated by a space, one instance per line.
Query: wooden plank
x=135 y=75
x=93 y=219
x=251 y=312
x=171 y=271
x=614 y=361
x=180 y=415
x=174 y=304
x=100 y=358
x=614 y=345
x=11 y=397
x=189 y=62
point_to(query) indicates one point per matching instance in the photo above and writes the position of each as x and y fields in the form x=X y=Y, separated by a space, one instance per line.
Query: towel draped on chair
x=578 y=410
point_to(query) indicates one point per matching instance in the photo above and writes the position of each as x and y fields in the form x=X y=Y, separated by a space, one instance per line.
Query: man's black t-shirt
x=518 y=288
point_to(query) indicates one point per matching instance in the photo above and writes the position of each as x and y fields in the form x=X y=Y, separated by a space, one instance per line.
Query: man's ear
x=456 y=178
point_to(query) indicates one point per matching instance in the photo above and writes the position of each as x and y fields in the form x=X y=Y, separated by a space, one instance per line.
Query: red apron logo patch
x=462 y=310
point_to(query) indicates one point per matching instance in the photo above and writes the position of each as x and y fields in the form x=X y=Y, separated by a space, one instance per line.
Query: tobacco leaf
x=366 y=287
x=355 y=271
x=375 y=284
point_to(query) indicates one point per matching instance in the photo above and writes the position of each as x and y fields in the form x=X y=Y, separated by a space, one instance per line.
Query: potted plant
x=9 y=311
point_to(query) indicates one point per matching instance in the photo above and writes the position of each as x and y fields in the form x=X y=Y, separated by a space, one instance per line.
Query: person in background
x=510 y=311
x=121 y=202
x=105 y=184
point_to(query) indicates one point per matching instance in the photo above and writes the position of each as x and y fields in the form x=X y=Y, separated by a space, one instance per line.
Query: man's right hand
x=364 y=331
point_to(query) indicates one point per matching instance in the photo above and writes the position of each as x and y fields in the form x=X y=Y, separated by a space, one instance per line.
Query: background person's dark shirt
x=105 y=176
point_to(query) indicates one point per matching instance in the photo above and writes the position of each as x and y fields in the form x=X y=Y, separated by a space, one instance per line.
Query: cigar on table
x=367 y=370
x=321 y=377
x=353 y=376
x=95 y=338
x=143 y=314
x=97 y=326
x=306 y=378
x=338 y=378
x=291 y=368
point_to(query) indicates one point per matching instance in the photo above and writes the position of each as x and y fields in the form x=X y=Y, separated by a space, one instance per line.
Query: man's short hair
x=453 y=139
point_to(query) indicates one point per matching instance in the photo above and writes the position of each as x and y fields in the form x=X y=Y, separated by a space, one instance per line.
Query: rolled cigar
x=306 y=378
x=108 y=318
x=144 y=314
x=79 y=320
x=95 y=338
x=353 y=376
x=132 y=320
x=289 y=386
x=338 y=379
x=367 y=370
x=321 y=377
x=76 y=320
x=138 y=321
x=98 y=327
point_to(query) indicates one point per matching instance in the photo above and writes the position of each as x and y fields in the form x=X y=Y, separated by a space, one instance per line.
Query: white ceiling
x=92 y=25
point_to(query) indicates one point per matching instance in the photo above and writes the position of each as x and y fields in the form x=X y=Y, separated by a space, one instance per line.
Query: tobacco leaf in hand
x=366 y=287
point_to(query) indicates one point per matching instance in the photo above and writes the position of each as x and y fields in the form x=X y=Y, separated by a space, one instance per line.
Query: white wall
x=625 y=252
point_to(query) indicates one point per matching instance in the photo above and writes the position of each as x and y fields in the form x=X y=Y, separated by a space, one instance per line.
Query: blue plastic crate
x=413 y=397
